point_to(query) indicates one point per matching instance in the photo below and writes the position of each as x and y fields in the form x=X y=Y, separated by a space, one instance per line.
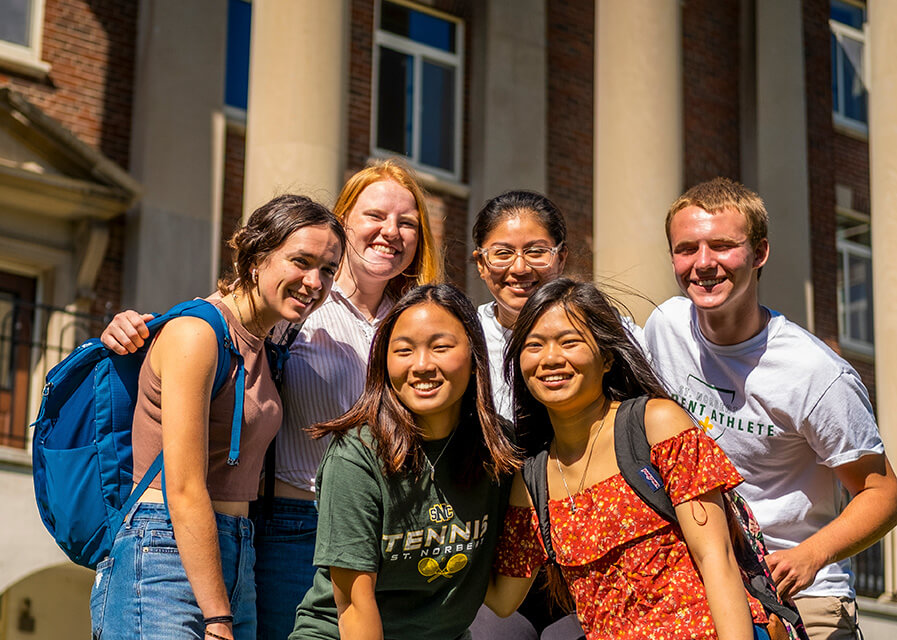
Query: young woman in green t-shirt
x=409 y=492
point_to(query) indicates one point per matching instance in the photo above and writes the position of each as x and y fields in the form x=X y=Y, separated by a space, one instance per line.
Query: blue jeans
x=285 y=549
x=142 y=591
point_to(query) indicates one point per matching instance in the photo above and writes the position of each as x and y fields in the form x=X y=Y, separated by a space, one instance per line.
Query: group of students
x=404 y=416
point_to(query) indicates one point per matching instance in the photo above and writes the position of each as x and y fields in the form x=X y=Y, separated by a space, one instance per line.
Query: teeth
x=710 y=283
x=425 y=386
x=555 y=378
x=384 y=249
x=301 y=298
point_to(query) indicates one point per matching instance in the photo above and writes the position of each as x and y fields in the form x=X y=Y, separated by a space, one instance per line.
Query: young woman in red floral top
x=630 y=573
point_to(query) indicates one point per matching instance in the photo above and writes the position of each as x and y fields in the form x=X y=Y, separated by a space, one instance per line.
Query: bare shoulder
x=187 y=338
x=665 y=419
x=519 y=495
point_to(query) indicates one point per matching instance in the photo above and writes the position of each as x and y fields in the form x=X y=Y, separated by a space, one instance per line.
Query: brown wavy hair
x=267 y=228
x=482 y=435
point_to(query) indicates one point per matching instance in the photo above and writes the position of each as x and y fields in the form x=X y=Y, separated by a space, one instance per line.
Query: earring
x=255 y=276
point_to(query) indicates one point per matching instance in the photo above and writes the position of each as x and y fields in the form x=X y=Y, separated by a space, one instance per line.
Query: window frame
x=27 y=59
x=846 y=249
x=838 y=117
x=419 y=51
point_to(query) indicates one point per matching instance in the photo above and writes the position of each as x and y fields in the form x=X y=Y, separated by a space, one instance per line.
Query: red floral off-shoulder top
x=628 y=569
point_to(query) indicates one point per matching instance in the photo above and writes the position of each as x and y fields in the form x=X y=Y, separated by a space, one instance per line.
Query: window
x=21 y=26
x=236 y=77
x=854 y=282
x=849 y=97
x=417 y=87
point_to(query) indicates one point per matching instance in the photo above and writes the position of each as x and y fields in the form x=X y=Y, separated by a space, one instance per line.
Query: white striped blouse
x=323 y=378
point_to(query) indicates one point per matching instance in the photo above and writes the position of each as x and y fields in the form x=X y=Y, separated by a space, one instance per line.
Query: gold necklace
x=582 y=480
x=243 y=322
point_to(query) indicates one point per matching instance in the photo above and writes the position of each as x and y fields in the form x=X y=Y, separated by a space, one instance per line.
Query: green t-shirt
x=431 y=542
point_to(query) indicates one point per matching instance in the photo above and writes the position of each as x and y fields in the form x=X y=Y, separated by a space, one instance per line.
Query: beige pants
x=828 y=617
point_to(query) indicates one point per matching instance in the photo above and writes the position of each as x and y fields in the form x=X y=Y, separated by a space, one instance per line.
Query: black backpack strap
x=535 y=477
x=278 y=353
x=634 y=457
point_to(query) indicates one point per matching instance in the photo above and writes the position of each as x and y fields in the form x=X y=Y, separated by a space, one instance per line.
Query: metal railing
x=33 y=338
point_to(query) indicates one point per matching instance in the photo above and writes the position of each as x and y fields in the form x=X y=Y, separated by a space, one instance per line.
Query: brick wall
x=89 y=45
x=90 y=48
x=833 y=158
x=570 y=46
x=710 y=66
x=823 y=256
x=448 y=213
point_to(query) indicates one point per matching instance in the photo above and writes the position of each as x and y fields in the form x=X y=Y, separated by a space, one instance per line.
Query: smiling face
x=382 y=229
x=296 y=277
x=429 y=366
x=512 y=286
x=714 y=262
x=562 y=366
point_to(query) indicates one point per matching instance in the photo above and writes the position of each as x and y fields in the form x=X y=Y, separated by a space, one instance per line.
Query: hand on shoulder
x=665 y=419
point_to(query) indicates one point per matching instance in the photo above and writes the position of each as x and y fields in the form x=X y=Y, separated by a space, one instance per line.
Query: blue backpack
x=83 y=463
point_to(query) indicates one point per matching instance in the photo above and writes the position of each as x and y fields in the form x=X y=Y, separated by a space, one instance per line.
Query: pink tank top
x=262 y=414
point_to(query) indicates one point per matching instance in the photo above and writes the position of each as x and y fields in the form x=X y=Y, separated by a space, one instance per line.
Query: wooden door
x=16 y=323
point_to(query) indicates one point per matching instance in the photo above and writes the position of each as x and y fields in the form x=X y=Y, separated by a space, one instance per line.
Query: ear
x=562 y=258
x=761 y=253
x=482 y=267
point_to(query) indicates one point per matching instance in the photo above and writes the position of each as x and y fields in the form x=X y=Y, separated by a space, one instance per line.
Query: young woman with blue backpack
x=182 y=562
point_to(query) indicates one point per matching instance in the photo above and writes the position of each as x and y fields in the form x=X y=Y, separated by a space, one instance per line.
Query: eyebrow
x=562 y=334
x=435 y=336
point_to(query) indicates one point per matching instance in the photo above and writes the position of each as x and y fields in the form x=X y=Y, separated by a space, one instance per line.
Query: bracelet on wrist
x=215 y=635
x=216 y=619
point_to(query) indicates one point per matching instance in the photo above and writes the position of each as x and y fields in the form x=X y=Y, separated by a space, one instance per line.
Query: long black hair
x=397 y=435
x=590 y=310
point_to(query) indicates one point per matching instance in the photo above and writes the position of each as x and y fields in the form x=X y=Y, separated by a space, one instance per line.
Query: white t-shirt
x=496 y=339
x=785 y=408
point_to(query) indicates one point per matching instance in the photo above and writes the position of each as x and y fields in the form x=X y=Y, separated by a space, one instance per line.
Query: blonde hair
x=427 y=266
x=723 y=193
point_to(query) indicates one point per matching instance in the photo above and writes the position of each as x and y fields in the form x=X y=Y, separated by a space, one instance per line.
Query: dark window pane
x=15 y=21
x=854 y=93
x=418 y=26
x=239 y=28
x=395 y=92
x=847 y=14
x=437 y=137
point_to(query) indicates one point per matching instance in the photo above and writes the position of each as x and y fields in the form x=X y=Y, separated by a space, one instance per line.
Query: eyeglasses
x=535 y=257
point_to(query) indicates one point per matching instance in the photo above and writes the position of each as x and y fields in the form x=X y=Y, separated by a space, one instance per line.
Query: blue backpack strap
x=226 y=350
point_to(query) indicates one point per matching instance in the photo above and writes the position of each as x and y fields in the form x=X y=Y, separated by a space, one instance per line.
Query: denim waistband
x=285 y=506
x=155 y=512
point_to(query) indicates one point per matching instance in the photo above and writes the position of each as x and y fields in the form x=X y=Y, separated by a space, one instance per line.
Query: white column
x=178 y=93
x=782 y=174
x=295 y=130
x=509 y=132
x=882 y=19
x=638 y=143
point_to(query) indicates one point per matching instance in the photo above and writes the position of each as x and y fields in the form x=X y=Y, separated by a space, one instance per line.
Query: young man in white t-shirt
x=791 y=414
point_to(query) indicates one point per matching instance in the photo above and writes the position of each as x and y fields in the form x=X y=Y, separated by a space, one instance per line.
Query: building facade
x=134 y=137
